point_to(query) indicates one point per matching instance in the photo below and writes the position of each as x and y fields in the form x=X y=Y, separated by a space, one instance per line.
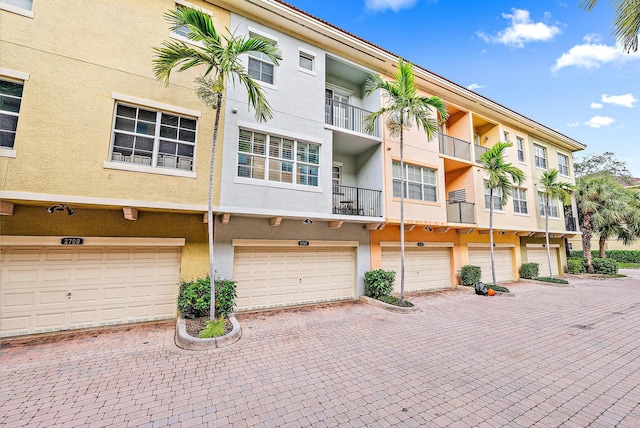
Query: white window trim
x=568 y=168
x=310 y=54
x=542 y=206
x=505 y=134
x=520 y=200
x=189 y=6
x=495 y=210
x=339 y=165
x=276 y=41
x=149 y=169
x=193 y=6
x=142 y=102
x=524 y=153
x=17 y=10
x=422 y=183
x=7 y=153
x=546 y=156
x=18 y=77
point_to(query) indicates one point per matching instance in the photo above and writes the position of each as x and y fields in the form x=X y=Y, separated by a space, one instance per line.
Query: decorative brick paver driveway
x=550 y=356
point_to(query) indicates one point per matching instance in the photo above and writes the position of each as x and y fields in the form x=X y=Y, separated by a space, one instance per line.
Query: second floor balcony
x=461 y=212
x=454 y=147
x=347 y=116
x=348 y=200
x=479 y=150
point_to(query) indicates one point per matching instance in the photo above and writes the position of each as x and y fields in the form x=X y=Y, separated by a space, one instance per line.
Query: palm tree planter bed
x=389 y=307
x=185 y=341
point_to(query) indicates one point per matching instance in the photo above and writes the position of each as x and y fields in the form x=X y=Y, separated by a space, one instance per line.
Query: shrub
x=379 y=283
x=622 y=256
x=553 y=280
x=576 y=266
x=498 y=288
x=529 y=270
x=194 y=297
x=213 y=329
x=470 y=275
x=605 y=266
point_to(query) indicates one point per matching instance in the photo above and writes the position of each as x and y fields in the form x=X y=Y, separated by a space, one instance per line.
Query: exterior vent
x=457 y=196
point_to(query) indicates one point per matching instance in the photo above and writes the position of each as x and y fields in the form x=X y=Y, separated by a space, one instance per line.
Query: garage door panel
x=15 y=277
x=18 y=300
x=58 y=254
x=52 y=297
x=503 y=263
x=425 y=268
x=49 y=321
x=539 y=255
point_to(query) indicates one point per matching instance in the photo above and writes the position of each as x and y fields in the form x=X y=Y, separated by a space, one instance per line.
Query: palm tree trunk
x=601 y=243
x=493 y=261
x=402 y=209
x=210 y=219
x=546 y=232
x=586 y=241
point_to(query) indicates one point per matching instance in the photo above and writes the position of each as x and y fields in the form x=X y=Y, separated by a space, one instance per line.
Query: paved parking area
x=550 y=356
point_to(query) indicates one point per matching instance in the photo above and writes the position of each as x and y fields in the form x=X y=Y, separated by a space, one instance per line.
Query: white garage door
x=59 y=288
x=272 y=277
x=539 y=255
x=424 y=268
x=503 y=262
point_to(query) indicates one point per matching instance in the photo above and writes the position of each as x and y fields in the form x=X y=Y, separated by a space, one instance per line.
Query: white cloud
x=474 y=86
x=522 y=30
x=596 y=106
x=599 y=121
x=573 y=124
x=394 y=5
x=626 y=100
x=592 y=54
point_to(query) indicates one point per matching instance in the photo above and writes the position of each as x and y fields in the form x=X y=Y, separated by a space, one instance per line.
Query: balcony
x=455 y=147
x=461 y=212
x=570 y=224
x=347 y=117
x=349 y=200
x=479 y=151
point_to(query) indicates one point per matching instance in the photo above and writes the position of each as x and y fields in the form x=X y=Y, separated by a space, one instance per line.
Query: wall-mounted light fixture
x=234 y=110
x=428 y=229
x=307 y=221
x=501 y=232
x=60 y=207
x=486 y=139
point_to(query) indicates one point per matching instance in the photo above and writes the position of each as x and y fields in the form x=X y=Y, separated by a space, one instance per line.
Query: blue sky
x=548 y=60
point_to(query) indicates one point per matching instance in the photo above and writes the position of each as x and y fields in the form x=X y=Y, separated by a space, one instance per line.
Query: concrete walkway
x=551 y=356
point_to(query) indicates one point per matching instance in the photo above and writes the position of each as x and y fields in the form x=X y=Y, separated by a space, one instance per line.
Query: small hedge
x=576 y=266
x=605 y=266
x=622 y=256
x=529 y=270
x=470 y=275
x=552 y=280
x=379 y=283
x=194 y=298
x=498 y=288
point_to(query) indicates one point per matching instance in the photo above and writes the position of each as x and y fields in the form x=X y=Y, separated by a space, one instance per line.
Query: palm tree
x=499 y=173
x=627 y=21
x=219 y=56
x=402 y=107
x=626 y=224
x=553 y=190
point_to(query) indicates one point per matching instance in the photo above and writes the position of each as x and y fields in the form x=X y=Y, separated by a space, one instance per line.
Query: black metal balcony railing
x=348 y=117
x=461 y=212
x=455 y=147
x=349 y=200
x=479 y=151
x=570 y=224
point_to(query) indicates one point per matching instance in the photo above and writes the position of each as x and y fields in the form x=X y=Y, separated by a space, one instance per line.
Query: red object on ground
x=491 y=292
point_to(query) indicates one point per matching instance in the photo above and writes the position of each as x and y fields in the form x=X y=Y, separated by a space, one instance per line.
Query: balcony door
x=337 y=107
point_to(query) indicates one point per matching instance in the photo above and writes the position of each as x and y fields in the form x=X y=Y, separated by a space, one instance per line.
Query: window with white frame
x=419 y=182
x=553 y=206
x=540 y=154
x=336 y=174
x=20 y=4
x=520 y=201
x=183 y=31
x=520 y=147
x=306 y=61
x=497 y=198
x=273 y=158
x=260 y=66
x=154 y=138
x=563 y=164
x=506 y=137
x=10 y=101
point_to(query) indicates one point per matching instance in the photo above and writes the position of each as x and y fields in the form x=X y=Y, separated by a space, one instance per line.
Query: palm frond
x=176 y=54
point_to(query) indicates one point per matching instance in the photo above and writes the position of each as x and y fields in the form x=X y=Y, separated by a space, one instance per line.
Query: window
x=497 y=198
x=553 y=206
x=420 y=183
x=154 y=138
x=520 y=201
x=336 y=174
x=184 y=30
x=10 y=100
x=563 y=164
x=306 y=61
x=506 y=137
x=260 y=66
x=269 y=157
x=19 y=4
x=540 y=154
x=520 y=147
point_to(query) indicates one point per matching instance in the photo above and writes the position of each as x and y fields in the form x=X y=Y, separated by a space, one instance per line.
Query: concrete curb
x=186 y=341
x=552 y=284
x=388 y=307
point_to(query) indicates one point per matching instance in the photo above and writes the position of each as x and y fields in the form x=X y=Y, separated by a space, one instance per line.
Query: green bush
x=194 y=297
x=576 y=266
x=605 y=266
x=379 y=283
x=213 y=329
x=529 y=270
x=498 y=288
x=553 y=280
x=622 y=256
x=470 y=275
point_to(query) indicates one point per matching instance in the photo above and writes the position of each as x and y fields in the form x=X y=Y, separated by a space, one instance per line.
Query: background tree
x=626 y=24
x=553 y=190
x=501 y=175
x=605 y=163
x=625 y=225
x=402 y=106
x=219 y=56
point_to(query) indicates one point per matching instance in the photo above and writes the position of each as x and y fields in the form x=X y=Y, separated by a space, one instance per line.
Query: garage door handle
x=300 y=282
x=69 y=295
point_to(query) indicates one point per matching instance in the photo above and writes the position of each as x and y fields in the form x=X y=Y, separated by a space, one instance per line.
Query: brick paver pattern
x=550 y=356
